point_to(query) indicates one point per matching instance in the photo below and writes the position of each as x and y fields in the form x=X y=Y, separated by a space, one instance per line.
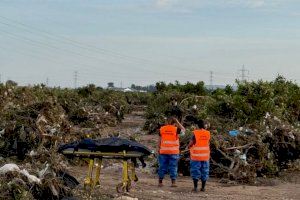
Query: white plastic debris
x=125 y=198
x=267 y=115
x=243 y=157
x=31 y=178
x=291 y=135
x=43 y=171
x=53 y=130
x=11 y=167
x=237 y=152
x=33 y=153
x=277 y=119
x=2 y=132
x=41 y=118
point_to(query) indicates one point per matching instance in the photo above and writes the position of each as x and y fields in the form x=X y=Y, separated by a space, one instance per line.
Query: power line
x=32 y=42
x=70 y=41
x=44 y=44
x=92 y=48
x=79 y=45
x=211 y=79
x=89 y=74
x=121 y=75
x=75 y=43
x=75 y=79
x=49 y=46
x=244 y=73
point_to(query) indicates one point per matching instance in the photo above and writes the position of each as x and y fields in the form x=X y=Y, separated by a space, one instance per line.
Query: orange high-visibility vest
x=169 y=143
x=200 y=150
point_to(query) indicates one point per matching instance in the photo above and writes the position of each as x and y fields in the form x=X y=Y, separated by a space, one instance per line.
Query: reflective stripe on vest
x=169 y=140
x=168 y=148
x=201 y=148
x=200 y=151
x=200 y=154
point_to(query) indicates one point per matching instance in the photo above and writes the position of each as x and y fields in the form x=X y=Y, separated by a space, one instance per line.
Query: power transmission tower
x=47 y=82
x=0 y=79
x=244 y=73
x=75 y=79
x=211 y=79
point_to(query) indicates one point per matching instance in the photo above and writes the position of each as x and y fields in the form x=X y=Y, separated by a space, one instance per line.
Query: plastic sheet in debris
x=234 y=133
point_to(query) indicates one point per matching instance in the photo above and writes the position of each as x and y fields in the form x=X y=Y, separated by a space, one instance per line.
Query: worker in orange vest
x=168 y=149
x=199 y=155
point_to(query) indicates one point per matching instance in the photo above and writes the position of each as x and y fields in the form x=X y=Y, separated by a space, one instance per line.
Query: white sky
x=145 y=41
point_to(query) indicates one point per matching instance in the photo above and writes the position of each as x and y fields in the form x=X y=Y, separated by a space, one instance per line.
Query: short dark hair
x=171 y=120
x=200 y=123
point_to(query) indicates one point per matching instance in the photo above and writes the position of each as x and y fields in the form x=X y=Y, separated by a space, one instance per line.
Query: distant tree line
x=148 y=88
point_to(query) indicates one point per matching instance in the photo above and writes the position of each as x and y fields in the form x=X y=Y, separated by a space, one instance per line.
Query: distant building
x=127 y=90
x=214 y=87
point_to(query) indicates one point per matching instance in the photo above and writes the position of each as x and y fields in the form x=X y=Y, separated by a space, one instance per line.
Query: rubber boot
x=160 y=183
x=174 y=183
x=195 y=185
x=203 y=186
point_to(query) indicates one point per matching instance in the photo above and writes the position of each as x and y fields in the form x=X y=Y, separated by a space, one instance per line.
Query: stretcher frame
x=95 y=161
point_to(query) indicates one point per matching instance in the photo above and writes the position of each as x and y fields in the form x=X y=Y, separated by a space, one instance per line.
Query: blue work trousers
x=199 y=170
x=168 y=163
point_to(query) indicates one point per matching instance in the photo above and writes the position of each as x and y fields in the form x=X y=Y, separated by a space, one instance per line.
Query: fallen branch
x=196 y=97
x=240 y=147
x=220 y=165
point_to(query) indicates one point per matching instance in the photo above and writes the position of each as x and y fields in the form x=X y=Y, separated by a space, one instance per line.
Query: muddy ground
x=146 y=188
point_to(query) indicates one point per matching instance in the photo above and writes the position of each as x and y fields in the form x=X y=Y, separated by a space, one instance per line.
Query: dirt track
x=146 y=187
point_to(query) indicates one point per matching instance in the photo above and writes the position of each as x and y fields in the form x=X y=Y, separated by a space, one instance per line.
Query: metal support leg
x=125 y=173
x=122 y=187
x=88 y=179
x=98 y=171
x=133 y=174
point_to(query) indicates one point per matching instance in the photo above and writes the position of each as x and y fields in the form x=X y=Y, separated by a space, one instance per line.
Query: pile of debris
x=243 y=155
x=42 y=175
x=34 y=120
x=255 y=131
x=31 y=115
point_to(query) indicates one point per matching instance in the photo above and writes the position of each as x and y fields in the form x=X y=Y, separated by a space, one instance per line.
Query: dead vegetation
x=255 y=129
x=34 y=120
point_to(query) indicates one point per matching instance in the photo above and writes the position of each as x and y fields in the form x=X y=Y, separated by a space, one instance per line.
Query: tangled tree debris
x=40 y=176
x=255 y=129
x=34 y=120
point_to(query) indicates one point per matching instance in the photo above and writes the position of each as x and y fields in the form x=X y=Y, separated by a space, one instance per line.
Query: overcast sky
x=145 y=41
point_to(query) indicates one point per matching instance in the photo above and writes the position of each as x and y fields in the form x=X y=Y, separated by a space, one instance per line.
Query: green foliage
x=188 y=88
x=247 y=105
